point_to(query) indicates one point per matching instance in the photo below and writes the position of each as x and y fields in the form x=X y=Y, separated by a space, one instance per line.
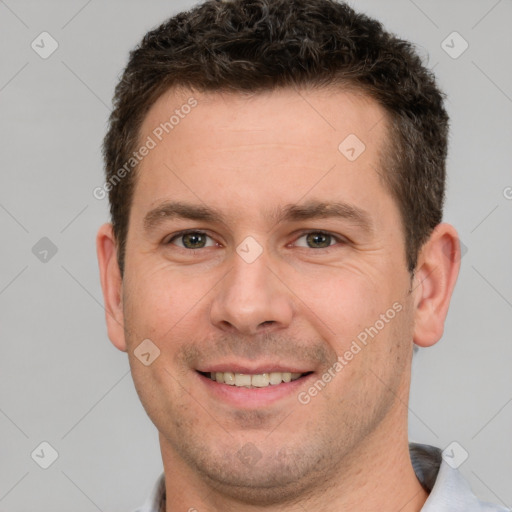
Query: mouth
x=250 y=388
x=259 y=380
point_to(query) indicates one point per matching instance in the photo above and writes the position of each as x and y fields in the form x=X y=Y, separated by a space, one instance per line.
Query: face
x=260 y=251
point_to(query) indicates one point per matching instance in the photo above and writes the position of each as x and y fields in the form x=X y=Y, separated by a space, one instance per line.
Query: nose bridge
x=251 y=297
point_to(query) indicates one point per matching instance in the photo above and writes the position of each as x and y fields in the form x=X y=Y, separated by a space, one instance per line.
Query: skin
x=300 y=304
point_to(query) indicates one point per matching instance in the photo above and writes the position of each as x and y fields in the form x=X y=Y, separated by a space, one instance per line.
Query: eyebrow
x=288 y=213
x=172 y=210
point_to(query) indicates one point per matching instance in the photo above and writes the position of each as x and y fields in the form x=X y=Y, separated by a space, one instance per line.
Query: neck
x=376 y=476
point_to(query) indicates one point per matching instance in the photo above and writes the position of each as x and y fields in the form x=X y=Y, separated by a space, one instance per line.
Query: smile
x=260 y=380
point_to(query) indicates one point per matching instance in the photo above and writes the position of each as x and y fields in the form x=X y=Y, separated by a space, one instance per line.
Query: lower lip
x=249 y=398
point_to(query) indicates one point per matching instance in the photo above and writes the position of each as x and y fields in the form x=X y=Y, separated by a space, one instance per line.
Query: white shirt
x=449 y=491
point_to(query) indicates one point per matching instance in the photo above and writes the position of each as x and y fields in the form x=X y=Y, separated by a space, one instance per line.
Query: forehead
x=313 y=114
x=285 y=143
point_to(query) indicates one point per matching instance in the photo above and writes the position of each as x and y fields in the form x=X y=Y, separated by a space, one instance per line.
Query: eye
x=192 y=240
x=317 y=240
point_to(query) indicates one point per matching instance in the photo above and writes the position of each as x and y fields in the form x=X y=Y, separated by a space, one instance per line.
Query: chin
x=254 y=478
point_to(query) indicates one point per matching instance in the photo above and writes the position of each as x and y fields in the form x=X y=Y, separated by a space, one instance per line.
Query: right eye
x=192 y=240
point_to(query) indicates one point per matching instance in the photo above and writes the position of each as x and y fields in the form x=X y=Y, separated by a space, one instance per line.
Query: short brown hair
x=257 y=45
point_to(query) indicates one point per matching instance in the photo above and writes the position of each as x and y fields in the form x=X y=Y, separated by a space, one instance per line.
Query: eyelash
x=336 y=238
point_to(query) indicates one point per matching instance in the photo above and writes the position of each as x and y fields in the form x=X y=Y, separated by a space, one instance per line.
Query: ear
x=112 y=285
x=434 y=280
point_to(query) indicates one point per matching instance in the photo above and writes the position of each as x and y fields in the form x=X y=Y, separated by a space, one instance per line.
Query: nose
x=251 y=299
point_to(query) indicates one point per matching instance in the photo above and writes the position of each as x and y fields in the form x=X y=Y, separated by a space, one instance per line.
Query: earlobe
x=435 y=277
x=111 y=284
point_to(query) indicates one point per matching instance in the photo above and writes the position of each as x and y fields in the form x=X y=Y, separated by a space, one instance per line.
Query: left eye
x=192 y=240
x=317 y=240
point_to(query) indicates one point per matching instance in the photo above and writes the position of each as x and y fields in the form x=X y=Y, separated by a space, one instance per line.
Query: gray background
x=61 y=380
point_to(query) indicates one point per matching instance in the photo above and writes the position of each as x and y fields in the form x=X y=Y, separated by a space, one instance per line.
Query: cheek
x=368 y=319
x=345 y=300
x=163 y=301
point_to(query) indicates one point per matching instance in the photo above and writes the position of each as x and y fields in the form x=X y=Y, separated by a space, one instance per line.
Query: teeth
x=242 y=379
x=276 y=378
x=261 y=380
x=229 y=378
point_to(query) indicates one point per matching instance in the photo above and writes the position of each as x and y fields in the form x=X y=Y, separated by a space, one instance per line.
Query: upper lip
x=253 y=370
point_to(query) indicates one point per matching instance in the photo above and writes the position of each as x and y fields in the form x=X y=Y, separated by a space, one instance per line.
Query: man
x=276 y=172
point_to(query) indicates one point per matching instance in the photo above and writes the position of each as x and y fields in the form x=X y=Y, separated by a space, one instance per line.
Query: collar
x=449 y=491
